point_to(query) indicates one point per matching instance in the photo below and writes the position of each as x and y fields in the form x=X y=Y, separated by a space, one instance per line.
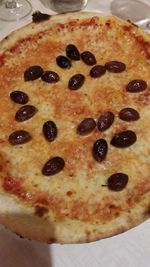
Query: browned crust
x=31 y=227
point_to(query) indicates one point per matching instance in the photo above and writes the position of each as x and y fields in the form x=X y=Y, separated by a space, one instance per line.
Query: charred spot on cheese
x=38 y=16
x=124 y=139
x=40 y=211
x=69 y=193
x=33 y=73
x=25 y=113
x=53 y=166
x=107 y=23
x=19 y=137
x=117 y=181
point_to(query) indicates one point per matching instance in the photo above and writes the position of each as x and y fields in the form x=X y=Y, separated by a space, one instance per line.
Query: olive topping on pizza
x=19 y=97
x=38 y=16
x=19 y=137
x=124 y=139
x=33 y=73
x=76 y=81
x=88 y=58
x=115 y=66
x=50 y=131
x=63 y=62
x=136 y=86
x=117 y=181
x=100 y=149
x=50 y=77
x=97 y=71
x=129 y=114
x=86 y=126
x=72 y=52
x=25 y=113
x=53 y=166
x=105 y=121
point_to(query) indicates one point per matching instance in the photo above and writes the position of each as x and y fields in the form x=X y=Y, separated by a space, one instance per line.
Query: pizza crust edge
x=25 y=223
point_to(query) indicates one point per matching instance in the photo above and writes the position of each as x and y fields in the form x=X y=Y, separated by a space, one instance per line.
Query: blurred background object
x=133 y=10
x=12 y=10
x=67 y=5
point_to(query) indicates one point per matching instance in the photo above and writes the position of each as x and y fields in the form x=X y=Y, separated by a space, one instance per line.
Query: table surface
x=130 y=249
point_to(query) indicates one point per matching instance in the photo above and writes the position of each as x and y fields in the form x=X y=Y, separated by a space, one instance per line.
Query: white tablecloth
x=131 y=249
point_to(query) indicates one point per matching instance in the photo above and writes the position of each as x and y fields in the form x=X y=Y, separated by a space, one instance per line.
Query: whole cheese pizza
x=74 y=128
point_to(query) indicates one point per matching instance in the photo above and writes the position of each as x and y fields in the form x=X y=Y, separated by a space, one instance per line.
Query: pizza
x=74 y=128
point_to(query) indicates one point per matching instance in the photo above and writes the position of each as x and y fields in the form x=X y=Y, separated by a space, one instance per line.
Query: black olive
x=72 y=52
x=63 y=62
x=33 y=73
x=53 y=166
x=76 y=81
x=19 y=97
